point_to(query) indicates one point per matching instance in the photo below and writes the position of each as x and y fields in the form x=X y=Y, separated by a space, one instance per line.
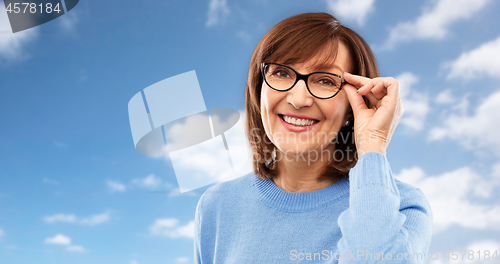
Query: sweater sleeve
x=377 y=227
x=197 y=239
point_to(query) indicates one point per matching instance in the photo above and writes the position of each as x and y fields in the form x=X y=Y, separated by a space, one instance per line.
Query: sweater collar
x=284 y=200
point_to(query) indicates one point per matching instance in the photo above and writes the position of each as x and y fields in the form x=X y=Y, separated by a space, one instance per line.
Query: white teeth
x=298 y=122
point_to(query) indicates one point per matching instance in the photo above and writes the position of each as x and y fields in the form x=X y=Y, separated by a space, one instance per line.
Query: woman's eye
x=326 y=82
x=281 y=73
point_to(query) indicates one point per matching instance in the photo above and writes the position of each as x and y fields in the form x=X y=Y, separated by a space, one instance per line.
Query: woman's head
x=307 y=43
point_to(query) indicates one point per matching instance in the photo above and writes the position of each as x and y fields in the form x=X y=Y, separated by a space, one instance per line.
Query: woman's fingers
x=355 y=99
x=392 y=92
x=376 y=94
x=373 y=100
x=376 y=89
x=356 y=80
x=379 y=90
x=383 y=93
x=366 y=85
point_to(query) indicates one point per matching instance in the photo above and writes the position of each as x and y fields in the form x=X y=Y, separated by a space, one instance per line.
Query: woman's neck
x=300 y=173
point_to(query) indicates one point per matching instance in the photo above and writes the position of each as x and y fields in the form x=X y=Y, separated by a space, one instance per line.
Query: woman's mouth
x=301 y=122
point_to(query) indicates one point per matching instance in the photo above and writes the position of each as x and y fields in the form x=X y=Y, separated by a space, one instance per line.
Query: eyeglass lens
x=282 y=78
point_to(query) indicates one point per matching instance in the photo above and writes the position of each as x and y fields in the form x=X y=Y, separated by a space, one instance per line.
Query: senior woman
x=319 y=121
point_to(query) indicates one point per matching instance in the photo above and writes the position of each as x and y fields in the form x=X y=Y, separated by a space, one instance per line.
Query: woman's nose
x=299 y=96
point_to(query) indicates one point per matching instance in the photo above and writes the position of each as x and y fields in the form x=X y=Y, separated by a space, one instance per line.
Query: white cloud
x=70 y=218
x=478 y=131
x=186 y=132
x=435 y=21
x=454 y=105
x=416 y=104
x=496 y=170
x=150 y=182
x=63 y=218
x=351 y=10
x=477 y=63
x=95 y=219
x=210 y=163
x=449 y=196
x=133 y=262
x=217 y=11
x=58 y=240
x=170 y=227
x=76 y=248
x=445 y=97
x=63 y=240
x=490 y=245
x=115 y=186
x=207 y=162
x=11 y=44
x=2 y=233
x=182 y=260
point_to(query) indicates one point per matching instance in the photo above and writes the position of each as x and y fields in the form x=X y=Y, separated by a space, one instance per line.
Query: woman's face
x=329 y=115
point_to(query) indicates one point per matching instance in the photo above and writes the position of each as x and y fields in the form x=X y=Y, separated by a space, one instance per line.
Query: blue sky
x=74 y=190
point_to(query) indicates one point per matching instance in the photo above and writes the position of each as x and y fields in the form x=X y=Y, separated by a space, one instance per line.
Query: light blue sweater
x=367 y=218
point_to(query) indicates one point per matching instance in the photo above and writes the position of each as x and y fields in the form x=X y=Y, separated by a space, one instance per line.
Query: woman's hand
x=373 y=128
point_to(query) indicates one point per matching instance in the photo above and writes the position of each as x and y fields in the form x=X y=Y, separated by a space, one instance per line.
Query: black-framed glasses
x=322 y=85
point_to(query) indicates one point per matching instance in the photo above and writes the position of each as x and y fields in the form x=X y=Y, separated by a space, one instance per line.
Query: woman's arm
x=377 y=227
x=197 y=234
x=376 y=222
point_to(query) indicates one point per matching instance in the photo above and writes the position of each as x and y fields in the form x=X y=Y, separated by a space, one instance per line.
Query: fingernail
x=346 y=73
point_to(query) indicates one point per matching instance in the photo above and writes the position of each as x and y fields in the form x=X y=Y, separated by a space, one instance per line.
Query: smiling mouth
x=298 y=121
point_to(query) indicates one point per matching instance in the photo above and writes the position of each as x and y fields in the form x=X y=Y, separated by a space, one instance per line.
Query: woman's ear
x=348 y=117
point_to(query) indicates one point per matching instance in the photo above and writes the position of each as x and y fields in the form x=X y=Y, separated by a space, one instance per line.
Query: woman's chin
x=298 y=150
x=305 y=152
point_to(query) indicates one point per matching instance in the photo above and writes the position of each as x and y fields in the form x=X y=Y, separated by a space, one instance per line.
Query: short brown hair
x=296 y=40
